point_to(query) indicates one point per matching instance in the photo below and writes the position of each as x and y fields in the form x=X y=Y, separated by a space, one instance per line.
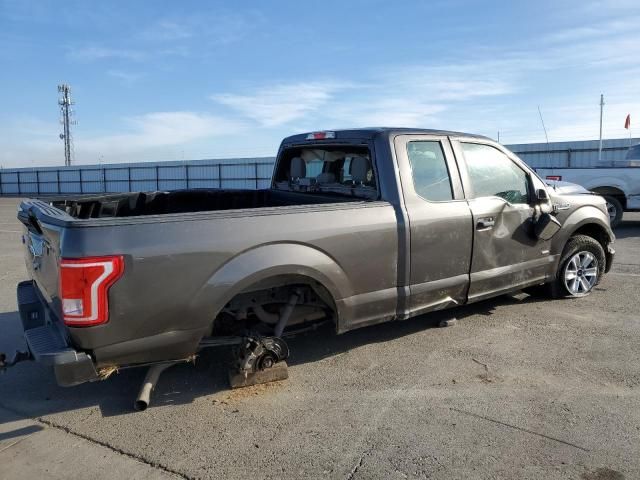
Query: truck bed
x=185 y=201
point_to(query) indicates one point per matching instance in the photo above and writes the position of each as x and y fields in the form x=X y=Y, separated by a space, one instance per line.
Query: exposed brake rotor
x=260 y=353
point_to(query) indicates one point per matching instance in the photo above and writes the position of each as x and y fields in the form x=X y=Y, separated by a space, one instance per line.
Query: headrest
x=298 y=168
x=326 y=177
x=359 y=169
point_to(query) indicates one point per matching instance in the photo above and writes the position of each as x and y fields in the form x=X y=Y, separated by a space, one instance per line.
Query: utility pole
x=66 y=120
x=601 y=110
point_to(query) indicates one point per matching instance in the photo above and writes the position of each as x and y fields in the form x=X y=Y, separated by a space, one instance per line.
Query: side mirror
x=542 y=195
x=546 y=226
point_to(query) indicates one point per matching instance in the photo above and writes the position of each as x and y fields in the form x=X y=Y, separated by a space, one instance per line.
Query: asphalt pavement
x=518 y=388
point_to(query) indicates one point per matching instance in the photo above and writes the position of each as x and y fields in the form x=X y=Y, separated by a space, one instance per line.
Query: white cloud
x=601 y=6
x=456 y=82
x=160 y=129
x=125 y=78
x=153 y=136
x=183 y=36
x=91 y=53
x=398 y=96
x=207 y=28
x=390 y=112
x=167 y=31
x=280 y=104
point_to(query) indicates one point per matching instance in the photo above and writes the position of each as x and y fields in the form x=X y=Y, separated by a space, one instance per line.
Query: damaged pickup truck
x=358 y=227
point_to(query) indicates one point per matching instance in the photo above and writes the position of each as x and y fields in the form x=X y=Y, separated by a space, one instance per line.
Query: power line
x=66 y=119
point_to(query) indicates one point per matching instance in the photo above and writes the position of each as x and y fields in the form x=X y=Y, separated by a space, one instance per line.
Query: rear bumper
x=48 y=342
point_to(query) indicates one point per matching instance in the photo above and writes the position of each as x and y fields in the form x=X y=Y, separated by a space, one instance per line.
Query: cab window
x=493 y=174
x=429 y=170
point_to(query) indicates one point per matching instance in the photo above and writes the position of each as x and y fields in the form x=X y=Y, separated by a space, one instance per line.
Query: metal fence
x=248 y=173
x=574 y=154
x=565 y=157
x=136 y=177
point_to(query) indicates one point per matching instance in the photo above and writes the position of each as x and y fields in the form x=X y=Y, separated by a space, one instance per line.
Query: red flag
x=627 y=122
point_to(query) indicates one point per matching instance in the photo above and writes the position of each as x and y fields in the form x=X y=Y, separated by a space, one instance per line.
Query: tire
x=615 y=210
x=580 y=269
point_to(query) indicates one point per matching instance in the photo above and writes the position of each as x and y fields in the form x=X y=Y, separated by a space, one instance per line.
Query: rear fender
x=605 y=183
x=268 y=261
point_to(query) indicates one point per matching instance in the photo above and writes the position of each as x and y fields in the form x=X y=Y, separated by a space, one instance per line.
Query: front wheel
x=581 y=267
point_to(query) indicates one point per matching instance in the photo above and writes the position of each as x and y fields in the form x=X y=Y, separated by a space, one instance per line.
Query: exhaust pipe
x=149 y=384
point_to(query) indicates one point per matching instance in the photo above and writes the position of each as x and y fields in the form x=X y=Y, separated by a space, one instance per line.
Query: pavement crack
x=358 y=464
x=520 y=429
x=67 y=430
x=486 y=367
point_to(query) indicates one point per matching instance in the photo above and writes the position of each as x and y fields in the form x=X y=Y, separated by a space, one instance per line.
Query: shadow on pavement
x=30 y=389
x=627 y=229
x=20 y=432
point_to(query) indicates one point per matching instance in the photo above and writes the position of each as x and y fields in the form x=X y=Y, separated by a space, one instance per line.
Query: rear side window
x=429 y=170
x=493 y=174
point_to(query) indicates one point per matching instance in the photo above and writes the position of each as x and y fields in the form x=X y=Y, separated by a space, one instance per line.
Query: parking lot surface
x=518 y=388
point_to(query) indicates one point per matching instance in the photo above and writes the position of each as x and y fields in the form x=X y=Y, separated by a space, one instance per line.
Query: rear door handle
x=485 y=223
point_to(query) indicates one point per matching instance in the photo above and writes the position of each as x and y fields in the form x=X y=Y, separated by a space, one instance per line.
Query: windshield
x=338 y=170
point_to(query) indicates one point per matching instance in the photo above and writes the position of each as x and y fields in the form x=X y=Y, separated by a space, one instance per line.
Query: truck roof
x=370 y=132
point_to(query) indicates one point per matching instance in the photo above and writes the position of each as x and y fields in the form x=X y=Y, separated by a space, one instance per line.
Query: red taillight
x=554 y=177
x=83 y=288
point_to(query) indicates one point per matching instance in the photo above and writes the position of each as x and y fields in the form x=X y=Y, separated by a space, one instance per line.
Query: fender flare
x=586 y=215
x=606 y=182
x=267 y=261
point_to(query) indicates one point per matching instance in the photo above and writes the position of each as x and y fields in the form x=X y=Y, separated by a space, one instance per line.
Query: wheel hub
x=581 y=273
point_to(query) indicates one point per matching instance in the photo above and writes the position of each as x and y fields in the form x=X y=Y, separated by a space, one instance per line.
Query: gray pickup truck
x=358 y=227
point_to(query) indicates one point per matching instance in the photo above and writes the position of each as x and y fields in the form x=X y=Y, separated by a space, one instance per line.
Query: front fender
x=583 y=216
x=267 y=261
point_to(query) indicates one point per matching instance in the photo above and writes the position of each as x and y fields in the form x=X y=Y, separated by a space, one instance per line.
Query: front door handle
x=485 y=223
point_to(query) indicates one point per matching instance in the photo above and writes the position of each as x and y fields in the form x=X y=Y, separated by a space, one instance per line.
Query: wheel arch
x=612 y=191
x=270 y=264
x=593 y=227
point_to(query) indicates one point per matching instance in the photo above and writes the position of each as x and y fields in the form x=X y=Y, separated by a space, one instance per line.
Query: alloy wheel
x=581 y=273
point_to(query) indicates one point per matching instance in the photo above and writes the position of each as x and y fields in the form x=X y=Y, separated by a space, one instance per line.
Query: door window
x=429 y=170
x=493 y=174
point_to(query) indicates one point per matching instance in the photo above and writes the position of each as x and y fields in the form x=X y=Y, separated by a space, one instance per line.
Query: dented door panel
x=506 y=254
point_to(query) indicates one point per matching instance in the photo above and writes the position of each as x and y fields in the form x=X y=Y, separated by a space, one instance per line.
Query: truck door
x=440 y=224
x=506 y=253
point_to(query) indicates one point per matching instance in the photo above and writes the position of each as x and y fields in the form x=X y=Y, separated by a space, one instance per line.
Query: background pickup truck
x=358 y=227
x=618 y=183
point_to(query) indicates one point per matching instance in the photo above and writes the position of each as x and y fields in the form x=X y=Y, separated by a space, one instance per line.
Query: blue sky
x=172 y=80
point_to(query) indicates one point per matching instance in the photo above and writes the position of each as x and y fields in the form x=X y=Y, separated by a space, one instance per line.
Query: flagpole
x=600 y=147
